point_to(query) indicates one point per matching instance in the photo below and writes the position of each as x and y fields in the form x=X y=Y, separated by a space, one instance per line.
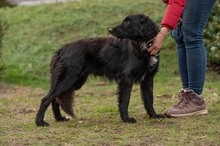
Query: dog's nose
x=110 y=30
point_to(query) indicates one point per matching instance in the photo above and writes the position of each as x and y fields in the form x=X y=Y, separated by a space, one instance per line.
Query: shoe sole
x=201 y=112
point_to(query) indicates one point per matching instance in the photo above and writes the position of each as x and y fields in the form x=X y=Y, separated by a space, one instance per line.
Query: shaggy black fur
x=123 y=59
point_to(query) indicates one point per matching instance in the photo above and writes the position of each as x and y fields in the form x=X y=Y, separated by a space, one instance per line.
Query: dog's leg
x=45 y=102
x=125 y=85
x=56 y=90
x=81 y=80
x=147 y=97
x=56 y=112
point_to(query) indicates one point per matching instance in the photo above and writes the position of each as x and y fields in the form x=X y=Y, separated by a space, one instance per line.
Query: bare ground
x=7 y=91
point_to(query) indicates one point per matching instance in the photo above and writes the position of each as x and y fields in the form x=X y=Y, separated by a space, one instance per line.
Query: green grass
x=35 y=32
x=98 y=121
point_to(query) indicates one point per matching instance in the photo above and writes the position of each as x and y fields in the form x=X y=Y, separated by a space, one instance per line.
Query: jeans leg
x=195 y=16
x=177 y=35
x=181 y=52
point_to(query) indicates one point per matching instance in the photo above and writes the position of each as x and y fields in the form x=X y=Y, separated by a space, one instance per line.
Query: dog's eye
x=127 y=21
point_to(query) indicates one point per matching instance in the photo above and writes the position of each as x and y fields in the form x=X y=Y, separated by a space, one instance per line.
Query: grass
x=35 y=32
x=40 y=30
x=98 y=121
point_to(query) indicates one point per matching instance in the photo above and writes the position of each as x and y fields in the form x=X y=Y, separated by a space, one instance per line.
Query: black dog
x=123 y=59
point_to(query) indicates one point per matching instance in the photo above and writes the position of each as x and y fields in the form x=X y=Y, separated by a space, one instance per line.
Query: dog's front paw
x=42 y=123
x=63 y=118
x=130 y=120
x=157 y=116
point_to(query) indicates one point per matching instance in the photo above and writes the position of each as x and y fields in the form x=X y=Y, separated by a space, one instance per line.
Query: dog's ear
x=144 y=27
x=148 y=28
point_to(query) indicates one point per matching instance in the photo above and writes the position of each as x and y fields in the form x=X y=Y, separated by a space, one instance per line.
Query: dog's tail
x=66 y=101
x=57 y=69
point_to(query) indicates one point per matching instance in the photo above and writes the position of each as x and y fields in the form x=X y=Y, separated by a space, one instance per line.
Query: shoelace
x=184 y=98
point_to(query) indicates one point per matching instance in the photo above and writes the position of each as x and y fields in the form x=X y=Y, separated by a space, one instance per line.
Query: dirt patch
x=165 y=96
x=19 y=100
x=7 y=91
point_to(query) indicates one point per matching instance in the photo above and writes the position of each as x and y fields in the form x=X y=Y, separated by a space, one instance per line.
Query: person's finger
x=150 y=49
x=154 y=52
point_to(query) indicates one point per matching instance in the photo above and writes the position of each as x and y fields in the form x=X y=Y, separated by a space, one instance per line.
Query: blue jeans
x=190 y=46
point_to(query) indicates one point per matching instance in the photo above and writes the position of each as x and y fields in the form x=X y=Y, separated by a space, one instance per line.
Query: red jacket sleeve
x=173 y=13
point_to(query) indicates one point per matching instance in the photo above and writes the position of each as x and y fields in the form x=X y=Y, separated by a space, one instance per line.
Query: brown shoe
x=190 y=104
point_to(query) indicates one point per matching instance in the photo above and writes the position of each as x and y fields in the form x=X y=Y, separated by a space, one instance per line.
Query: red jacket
x=173 y=13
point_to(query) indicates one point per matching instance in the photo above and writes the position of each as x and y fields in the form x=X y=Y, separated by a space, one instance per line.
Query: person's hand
x=158 y=41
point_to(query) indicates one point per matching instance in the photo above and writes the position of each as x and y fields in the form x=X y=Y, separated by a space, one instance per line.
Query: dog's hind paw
x=63 y=118
x=42 y=123
x=130 y=120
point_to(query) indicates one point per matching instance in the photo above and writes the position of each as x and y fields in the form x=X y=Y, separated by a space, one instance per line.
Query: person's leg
x=182 y=63
x=177 y=35
x=192 y=59
x=195 y=16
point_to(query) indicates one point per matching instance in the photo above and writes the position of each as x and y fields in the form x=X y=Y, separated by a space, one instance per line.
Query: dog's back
x=103 y=57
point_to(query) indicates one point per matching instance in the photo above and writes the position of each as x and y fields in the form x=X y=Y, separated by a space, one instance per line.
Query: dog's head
x=138 y=27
